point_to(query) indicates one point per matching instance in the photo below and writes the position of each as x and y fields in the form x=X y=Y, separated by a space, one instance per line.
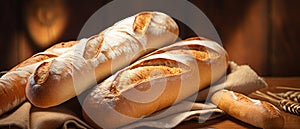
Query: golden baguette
x=154 y=82
x=97 y=57
x=13 y=83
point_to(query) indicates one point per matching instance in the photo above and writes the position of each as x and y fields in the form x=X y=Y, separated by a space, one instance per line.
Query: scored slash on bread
x=154 y=82
x=13 y=83
x=93 y=59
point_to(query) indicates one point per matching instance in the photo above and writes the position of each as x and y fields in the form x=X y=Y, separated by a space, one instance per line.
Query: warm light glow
x=46 y=20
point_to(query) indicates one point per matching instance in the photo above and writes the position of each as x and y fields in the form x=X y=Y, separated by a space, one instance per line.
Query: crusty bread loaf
x=154 y=82
x=255 y=112
x=97 y=57
x=13 y=83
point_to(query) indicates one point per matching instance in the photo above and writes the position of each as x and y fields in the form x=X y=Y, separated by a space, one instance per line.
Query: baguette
x=13 y=83
x=95 y=58
x=154 y=82
x=255 y=112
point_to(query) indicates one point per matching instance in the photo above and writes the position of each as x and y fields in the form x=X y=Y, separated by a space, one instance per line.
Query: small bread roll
x=255 y=112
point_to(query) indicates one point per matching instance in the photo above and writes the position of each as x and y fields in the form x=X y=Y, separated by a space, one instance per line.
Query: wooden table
x=228 y=122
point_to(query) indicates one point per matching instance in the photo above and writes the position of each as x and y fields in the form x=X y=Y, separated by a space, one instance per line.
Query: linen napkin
x=198 y=107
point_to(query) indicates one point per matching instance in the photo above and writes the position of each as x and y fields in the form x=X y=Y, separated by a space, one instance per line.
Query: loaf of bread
x=97 y=57
x=255 y=112
x=154 y=82
x=13 y=83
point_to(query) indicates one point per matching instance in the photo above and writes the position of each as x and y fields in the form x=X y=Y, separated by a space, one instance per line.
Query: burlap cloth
x=68 y=115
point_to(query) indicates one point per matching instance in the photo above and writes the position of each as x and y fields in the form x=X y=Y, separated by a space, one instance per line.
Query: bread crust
x=13 y=83
x=156 y=81
x=97 y=57
x=255 y=112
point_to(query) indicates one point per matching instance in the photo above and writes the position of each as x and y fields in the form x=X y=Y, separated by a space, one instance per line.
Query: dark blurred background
x=259 y=33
